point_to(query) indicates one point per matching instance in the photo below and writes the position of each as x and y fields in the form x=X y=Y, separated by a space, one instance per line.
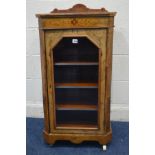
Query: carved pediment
x=79 y=8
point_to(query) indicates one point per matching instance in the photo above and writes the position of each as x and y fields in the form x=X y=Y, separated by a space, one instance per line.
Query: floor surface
x=35 y=144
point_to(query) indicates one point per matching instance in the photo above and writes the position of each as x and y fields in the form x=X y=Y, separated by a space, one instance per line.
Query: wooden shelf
x=77 y=126
x=75 y=106
x=75 y=63
x=76 y=85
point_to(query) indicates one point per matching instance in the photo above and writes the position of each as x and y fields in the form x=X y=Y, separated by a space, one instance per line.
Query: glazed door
x=76 y=79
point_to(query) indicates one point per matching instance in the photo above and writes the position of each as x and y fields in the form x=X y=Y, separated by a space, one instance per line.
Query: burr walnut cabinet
x=76 y=62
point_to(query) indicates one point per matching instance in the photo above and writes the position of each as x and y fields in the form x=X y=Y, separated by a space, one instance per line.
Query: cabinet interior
x=76 y=70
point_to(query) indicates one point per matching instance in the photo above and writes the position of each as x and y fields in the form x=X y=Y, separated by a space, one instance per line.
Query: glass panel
x=76 y=81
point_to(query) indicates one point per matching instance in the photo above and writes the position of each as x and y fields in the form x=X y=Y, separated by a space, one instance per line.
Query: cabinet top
x=77 y=10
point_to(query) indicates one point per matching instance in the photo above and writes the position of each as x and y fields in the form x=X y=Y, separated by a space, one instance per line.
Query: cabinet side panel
x=44 y=81
x=102 y=77
x=108 y=78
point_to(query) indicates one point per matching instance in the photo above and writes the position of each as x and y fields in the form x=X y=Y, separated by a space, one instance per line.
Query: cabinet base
x=77 y=138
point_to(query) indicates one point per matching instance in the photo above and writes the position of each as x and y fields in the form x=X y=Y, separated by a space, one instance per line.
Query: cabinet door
x=76 y=79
